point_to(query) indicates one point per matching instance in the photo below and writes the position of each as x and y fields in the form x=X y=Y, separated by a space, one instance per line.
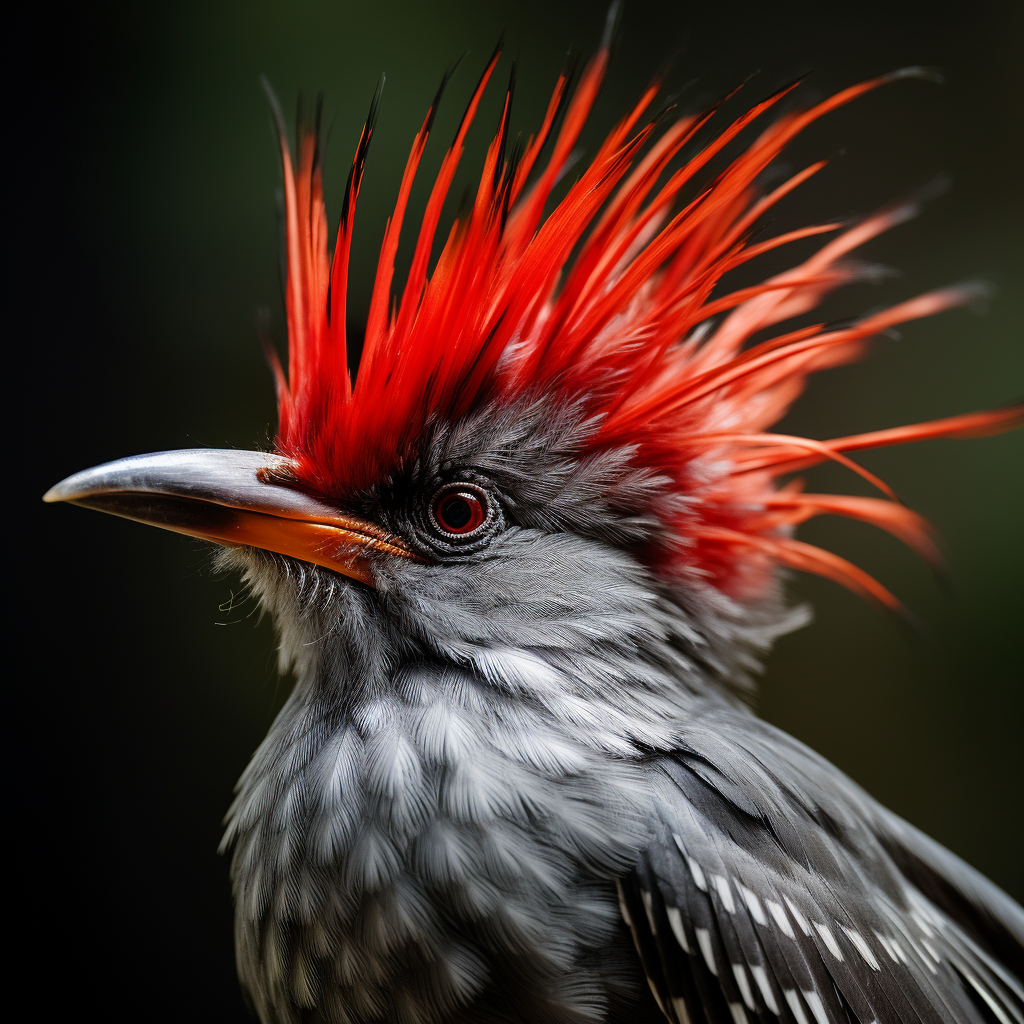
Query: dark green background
x=145 y=237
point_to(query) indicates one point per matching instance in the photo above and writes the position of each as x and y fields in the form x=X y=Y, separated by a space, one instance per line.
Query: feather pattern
x=777 y=890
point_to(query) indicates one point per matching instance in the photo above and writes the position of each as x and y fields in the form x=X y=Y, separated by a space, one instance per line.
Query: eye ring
x=460 y=511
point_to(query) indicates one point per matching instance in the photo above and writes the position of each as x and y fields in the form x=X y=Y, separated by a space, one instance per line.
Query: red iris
x=460 y=511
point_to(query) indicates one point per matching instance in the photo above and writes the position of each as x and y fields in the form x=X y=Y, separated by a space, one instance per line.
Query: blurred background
x=146 y=238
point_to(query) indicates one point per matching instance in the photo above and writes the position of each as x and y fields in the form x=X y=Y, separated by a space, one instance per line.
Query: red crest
x=613 y=298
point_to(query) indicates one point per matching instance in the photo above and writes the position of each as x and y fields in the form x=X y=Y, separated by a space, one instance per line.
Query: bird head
x=558 y=440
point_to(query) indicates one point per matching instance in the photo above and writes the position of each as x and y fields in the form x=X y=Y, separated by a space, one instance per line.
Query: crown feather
x=613 y=299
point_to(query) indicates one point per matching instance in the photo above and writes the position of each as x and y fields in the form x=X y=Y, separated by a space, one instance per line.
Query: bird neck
x=401 y=802
x=421 y=790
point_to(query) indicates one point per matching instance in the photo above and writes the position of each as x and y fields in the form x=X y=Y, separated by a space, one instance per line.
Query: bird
x=524 y=564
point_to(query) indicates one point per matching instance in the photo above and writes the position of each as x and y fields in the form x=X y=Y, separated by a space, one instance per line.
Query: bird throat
x=394 y=815
x=438 y=813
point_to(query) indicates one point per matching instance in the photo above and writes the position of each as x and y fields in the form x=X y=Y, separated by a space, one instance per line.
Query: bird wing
x=775 y=889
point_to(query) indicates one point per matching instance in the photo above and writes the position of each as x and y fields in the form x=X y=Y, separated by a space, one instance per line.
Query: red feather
x=610 y=300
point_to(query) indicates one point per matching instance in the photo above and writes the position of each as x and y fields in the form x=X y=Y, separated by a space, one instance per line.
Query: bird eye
x=460 y=510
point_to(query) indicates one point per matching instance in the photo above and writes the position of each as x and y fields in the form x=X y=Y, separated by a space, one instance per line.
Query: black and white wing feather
x=777 y=890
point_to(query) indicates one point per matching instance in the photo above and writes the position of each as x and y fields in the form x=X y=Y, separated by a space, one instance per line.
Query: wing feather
x=776 y=890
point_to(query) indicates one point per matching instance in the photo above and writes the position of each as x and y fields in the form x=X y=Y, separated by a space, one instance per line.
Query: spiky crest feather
x=629 y=326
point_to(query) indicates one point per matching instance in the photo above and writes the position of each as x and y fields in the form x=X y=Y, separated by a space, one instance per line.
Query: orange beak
x=233 y=498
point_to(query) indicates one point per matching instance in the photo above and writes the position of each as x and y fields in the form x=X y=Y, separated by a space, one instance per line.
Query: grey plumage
x=478 y=749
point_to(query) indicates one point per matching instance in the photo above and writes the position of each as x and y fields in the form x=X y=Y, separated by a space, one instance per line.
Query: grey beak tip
x=59 y=492
x=73 y=487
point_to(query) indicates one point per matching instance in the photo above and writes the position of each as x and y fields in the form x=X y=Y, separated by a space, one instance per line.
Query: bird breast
x=429 y=824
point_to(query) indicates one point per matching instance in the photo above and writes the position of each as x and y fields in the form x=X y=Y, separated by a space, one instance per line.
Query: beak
x=232 y=498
